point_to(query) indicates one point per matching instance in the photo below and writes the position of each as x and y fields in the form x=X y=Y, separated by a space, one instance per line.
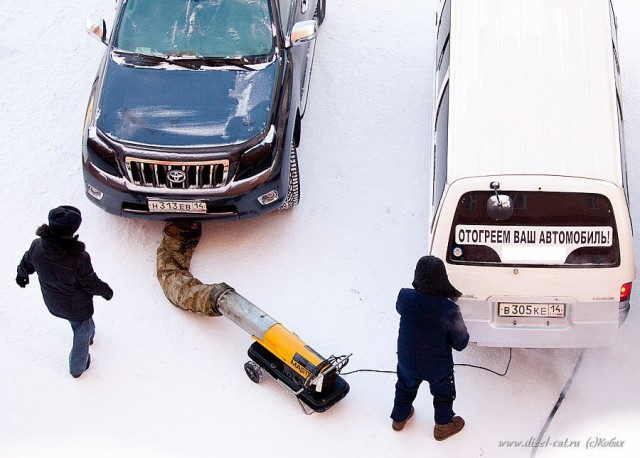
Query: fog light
x=93 y=192
x=268 y=198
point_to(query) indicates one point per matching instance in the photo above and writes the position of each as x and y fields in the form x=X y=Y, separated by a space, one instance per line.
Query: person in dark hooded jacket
x=67 y=279
x=430 y=326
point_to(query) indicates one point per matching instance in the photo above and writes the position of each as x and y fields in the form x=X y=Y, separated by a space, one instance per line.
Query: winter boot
x=88 y=364
x=441 y=432
x=398 y=425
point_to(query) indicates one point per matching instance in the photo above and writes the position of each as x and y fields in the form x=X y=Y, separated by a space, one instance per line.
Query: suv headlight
x=100 y=154
x=257 y=159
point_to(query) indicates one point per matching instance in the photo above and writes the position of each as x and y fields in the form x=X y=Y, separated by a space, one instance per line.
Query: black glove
x=22 y=281
x=109 y=295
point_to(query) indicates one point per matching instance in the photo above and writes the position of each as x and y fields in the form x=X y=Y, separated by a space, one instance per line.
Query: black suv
x=196 y=108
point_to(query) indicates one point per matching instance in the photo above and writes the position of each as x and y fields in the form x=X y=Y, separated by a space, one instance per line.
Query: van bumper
x=623 y=311
x=586 y=324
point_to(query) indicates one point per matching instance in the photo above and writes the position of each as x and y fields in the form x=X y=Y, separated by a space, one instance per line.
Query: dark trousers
x=83 y=332
x=442 y=389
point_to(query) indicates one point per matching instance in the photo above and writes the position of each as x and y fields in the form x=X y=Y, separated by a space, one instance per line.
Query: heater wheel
x=254 y=371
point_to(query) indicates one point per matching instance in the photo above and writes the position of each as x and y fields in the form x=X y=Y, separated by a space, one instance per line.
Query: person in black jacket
x=67 y=280
x=430 y=326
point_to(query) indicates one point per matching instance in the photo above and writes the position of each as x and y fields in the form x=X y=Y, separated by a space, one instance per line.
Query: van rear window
x=545 y=229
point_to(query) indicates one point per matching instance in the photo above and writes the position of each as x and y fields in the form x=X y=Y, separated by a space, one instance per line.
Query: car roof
x=532 y=89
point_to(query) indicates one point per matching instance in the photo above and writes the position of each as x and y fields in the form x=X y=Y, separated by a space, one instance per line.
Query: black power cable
x=490 y=370
x=368 y=370
x=567 y=385
x=457 y=364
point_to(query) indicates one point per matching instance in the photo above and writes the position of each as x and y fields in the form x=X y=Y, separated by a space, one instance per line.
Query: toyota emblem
x=176 y=176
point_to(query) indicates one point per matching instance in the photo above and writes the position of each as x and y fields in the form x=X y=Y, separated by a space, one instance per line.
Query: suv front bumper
x=236 y=200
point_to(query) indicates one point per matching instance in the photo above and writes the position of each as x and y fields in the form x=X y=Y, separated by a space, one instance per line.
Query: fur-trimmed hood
x=56 y=246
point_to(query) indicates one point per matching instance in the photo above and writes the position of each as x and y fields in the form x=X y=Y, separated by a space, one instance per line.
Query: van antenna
x=495 y=185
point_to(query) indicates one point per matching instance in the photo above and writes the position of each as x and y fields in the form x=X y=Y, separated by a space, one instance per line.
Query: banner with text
x=581 y=236
x=534 y=243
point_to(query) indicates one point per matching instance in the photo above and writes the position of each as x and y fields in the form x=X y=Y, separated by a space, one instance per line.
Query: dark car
x=196 y=108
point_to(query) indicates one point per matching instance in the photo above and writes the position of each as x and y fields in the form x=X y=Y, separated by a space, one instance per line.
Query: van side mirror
x=97 y=28
x=303 y=32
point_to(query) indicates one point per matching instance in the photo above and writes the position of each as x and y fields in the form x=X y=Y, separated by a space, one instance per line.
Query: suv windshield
x=206 y=28
x=545 y=229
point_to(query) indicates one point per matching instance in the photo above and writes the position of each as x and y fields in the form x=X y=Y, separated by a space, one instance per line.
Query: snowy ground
x=168 y=383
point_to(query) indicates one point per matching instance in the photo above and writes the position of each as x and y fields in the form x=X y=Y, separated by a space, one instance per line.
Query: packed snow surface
x=169 y=383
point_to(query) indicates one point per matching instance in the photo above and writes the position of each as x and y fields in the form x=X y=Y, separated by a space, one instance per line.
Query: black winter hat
x=431 y=278
x=64 y=220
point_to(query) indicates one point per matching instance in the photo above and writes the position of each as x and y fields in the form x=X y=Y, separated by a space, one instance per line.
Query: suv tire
x=293 y=193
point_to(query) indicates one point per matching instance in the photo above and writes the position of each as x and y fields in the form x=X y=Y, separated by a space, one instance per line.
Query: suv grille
x=177 y=175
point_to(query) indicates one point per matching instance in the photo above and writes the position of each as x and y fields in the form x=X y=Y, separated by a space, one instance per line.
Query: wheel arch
x=297 y=129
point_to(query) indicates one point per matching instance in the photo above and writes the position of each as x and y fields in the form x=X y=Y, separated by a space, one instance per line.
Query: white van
x=530 y=208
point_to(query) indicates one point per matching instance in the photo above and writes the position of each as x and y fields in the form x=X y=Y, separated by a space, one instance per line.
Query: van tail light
x=625 y=292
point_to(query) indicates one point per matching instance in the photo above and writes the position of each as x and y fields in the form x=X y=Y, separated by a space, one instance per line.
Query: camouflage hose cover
x=172 y=267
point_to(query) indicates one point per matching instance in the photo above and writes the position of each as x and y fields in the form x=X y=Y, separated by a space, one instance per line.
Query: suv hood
x=183 y=107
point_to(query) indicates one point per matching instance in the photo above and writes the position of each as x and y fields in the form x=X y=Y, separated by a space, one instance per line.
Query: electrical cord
x=369 y=370
x=457 y=364
x=491 y=370
x=563 y=393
